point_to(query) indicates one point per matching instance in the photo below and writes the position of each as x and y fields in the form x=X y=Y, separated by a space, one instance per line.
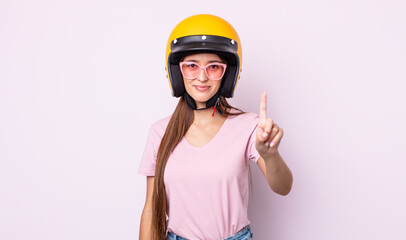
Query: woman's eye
x=192 y=65
x=214 y=66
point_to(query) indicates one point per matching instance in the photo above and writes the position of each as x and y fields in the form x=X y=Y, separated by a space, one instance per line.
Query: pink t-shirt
x=207 y=187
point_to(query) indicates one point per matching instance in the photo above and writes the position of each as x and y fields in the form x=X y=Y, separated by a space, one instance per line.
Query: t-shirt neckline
x=219 y=132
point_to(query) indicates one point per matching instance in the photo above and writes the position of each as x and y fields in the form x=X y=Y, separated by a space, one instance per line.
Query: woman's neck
x=203 y=117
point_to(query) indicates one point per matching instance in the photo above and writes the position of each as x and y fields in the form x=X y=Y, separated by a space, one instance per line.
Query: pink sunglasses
x=214 y=71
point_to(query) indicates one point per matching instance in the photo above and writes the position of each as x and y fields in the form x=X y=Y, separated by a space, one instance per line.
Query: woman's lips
x=201 y=88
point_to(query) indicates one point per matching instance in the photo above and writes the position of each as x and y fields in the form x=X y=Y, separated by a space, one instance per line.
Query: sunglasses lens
x=190 y=70
x=215 y=71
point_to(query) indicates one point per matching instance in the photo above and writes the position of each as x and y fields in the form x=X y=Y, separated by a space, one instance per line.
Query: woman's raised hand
x=269 y=134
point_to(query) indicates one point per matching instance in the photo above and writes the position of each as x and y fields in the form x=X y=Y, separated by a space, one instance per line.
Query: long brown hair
x=179 y=123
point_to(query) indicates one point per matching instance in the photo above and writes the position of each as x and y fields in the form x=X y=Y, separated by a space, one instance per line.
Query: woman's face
x=201 y=95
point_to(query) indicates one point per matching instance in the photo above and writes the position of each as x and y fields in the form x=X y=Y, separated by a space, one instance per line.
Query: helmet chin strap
x=212 y=102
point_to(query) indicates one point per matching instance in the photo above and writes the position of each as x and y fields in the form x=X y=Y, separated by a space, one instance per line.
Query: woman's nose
x=202 y=75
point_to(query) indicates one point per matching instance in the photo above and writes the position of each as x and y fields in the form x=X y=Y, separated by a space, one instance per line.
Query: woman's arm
x=146 y=217
x=269 y=136
x=277 y=173
x=145 y=226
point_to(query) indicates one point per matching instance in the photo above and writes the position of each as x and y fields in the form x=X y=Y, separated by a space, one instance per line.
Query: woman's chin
x=201 y=97
x=201 y=100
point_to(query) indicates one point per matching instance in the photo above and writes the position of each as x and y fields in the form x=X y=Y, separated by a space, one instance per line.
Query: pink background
x=81 y=82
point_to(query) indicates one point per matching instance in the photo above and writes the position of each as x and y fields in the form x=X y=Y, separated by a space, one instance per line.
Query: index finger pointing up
x=262 y=108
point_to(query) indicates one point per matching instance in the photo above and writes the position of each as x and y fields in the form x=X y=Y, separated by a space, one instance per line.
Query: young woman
x=197 y=159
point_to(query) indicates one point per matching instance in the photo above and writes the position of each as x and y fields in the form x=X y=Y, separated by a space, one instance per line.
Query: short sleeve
x=251 y=151
x=149 y=156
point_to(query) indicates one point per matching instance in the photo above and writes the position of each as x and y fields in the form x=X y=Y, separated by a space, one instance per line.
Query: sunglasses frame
x=205 y=69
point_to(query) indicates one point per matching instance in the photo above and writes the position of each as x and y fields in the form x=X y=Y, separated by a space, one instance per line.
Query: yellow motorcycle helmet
x=203 y=33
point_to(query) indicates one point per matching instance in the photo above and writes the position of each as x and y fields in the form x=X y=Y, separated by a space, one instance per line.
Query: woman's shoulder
x=162 y=121
x=159 y=126
x=246 y=116
x=245 y=123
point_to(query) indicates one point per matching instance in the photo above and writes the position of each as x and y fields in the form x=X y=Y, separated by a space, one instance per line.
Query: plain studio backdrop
x=82 y=81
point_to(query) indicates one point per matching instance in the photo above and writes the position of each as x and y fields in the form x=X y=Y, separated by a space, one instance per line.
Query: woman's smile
x=201 y=88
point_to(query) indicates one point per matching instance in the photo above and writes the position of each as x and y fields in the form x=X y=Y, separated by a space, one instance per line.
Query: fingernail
x=271 y=144
x=265 y=134
x=266 y=144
